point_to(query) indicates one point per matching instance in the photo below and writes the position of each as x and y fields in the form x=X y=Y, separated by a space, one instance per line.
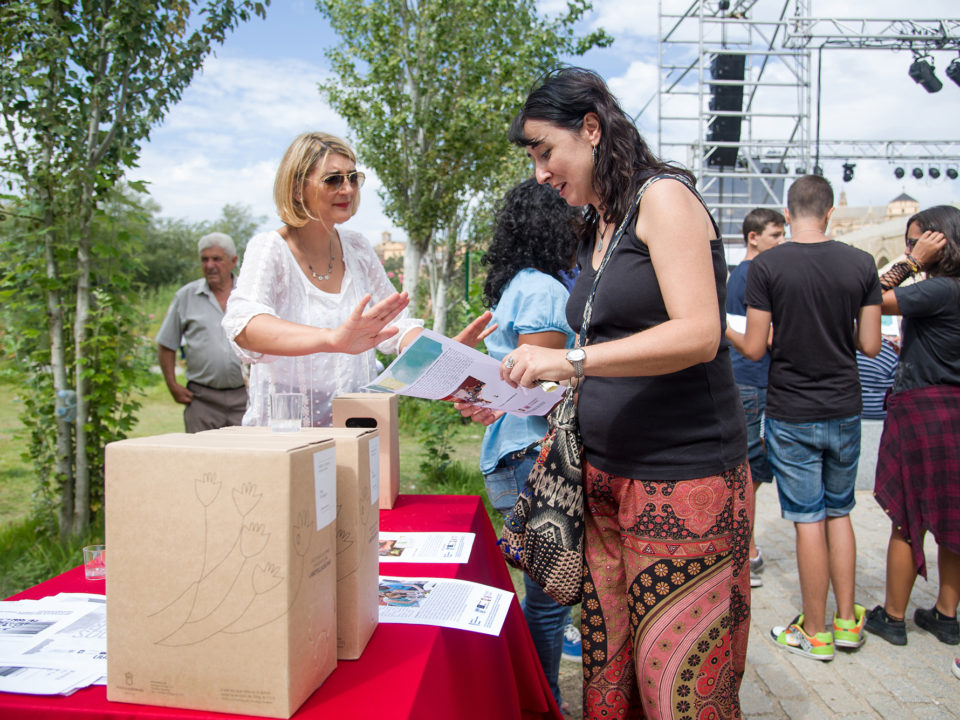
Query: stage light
x=899 y=172
x=934 y=172
x=848 y=171
x=918 y=173
x=953 y=70
x=952 y=173
x=817 y=170
x=922 y=73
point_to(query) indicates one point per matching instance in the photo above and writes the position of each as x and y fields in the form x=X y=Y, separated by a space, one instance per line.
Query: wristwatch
x=576 y=357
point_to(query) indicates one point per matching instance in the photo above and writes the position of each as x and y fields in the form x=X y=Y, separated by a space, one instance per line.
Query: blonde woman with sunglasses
x=312 y=300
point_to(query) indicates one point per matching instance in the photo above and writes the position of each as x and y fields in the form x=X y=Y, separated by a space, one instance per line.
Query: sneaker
x=794 y=639
x=849 y=633
x=571 y=644
x=946 y=630
x=756 y=567
x=879 y=623
x=956 y=667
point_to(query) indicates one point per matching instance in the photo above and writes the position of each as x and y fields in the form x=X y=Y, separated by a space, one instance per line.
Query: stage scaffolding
x=754 y=64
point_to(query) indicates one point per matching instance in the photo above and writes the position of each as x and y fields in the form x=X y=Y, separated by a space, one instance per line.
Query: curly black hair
x=535 y=228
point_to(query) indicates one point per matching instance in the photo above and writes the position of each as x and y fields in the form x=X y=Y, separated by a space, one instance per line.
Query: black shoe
x=879 y=623
x=947 y=630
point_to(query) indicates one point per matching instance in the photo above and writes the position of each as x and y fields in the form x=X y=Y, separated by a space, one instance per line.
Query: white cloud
x=636 y=86
x=627 y=17
x=222 y=142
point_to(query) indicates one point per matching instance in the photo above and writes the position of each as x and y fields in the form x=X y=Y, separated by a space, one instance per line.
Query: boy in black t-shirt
x=762 y=230
x=823 y=299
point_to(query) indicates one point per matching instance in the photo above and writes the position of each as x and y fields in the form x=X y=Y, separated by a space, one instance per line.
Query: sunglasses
x=335 y=181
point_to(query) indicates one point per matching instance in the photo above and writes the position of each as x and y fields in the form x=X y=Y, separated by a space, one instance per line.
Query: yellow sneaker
x=849 y=633
x=794 y=639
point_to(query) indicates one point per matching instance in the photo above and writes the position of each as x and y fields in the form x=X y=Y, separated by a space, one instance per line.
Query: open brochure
x=458 y=604
x=54 y=645
x=425 y=547
x=438 y=368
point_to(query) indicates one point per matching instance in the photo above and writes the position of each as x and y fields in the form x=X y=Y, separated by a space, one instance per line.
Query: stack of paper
x=54 y=645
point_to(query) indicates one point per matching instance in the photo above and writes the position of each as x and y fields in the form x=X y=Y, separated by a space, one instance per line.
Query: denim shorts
x=816 y=466
x=754 y=400
x=508 y=478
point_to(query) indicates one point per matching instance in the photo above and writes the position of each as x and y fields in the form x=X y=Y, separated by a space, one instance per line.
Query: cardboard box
x=379 y=410
x=222 y=575
x=358 y=529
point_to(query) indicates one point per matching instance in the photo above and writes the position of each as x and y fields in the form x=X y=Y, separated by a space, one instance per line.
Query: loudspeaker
x=729 y=98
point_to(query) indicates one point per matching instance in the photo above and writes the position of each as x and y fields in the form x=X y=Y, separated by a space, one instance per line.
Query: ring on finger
x=509 y=362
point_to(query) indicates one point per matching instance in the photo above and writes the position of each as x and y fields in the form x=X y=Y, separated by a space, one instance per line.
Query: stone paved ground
x=877 y=681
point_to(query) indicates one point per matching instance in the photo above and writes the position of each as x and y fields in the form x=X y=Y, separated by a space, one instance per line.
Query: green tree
x=428 y=87
x=82 y=82
x=236 y=220
x=169 y=245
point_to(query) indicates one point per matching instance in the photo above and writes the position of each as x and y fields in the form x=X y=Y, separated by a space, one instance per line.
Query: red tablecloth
x=407 y=671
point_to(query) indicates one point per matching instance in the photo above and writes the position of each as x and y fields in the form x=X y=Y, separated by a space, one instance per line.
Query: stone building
x=848 y=218
x=881 y=237
x=387 y=248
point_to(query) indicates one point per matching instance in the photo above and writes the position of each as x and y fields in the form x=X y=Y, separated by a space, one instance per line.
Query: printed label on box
x=325 y=486
x=374 y=469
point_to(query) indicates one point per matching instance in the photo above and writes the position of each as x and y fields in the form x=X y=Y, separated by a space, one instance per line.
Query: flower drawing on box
x=239 y=585
x=246 y=498
x=266 y=577
x=253 y=539
x=301 y=533
x=207 y=488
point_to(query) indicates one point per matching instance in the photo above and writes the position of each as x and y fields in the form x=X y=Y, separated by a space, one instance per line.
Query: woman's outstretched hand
x=367 y=327
x=476 y=331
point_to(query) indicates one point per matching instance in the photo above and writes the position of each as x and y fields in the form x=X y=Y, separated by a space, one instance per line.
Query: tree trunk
x=58 y=362
x=444 y=279
x=412 y=257
x=81 y=501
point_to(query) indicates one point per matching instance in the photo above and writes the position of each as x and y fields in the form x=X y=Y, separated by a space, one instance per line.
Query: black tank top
x=680 y=426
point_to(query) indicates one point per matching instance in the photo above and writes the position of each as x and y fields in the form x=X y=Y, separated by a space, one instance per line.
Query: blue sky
x=221 y=144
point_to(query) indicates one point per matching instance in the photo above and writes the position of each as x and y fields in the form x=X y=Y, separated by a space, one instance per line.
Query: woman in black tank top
x=666 y=593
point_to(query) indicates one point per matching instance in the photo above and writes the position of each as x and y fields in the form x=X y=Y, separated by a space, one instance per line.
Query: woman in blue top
x=531 y=252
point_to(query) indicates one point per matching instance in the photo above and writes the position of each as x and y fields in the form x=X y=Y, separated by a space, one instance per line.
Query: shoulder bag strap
x=588 y=308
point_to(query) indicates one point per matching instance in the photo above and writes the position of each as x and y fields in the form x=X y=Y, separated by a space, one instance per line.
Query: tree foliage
x=428 y=87
x=82 y=82
x=169 y=245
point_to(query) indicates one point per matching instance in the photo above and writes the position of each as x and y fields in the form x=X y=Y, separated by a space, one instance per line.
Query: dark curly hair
x=945 y=219
x=535 y=228
x=623 y=161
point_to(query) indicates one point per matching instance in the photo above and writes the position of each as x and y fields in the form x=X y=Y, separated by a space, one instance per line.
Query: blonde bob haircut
x=307 y=152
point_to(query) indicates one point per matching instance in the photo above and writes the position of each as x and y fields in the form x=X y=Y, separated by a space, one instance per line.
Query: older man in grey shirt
x=215 y=395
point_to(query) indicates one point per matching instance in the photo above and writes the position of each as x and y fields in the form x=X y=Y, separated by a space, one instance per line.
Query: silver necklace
x=322 y=277
x=603 y=231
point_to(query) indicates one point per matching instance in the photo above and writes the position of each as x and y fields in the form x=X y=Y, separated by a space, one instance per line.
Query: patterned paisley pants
x=666 y=602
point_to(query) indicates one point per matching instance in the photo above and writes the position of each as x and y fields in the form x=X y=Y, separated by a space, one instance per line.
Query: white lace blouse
x=271 y=282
